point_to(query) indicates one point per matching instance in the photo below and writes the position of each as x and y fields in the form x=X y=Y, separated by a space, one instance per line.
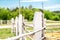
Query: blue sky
x=48 y=4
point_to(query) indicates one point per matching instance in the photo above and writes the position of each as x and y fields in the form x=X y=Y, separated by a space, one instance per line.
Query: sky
x=52 y=5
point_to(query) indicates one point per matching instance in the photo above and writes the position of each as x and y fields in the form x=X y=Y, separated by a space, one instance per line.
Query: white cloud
x=33 y=0
x=53 y=6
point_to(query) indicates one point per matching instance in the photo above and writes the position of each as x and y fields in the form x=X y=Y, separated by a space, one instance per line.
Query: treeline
x=7 y=14
x=52 y=15
x=28 y=13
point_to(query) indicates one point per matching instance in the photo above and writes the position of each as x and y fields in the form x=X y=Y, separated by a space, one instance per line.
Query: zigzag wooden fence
x=38 y=28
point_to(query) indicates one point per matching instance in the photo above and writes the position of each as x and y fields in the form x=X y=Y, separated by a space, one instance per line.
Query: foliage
x=52 y=15
x=4 y=14
x=28 y=13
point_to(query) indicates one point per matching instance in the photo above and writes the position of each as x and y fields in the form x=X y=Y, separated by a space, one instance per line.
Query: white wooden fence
x=38 y=27
x=5 y=22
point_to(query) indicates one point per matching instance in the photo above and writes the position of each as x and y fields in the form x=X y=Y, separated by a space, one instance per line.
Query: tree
x=30 y=6
x=48 y=15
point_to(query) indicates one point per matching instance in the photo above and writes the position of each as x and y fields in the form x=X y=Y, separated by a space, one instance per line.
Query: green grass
x=29 y=28
x=53 y=30
x=5 y=33
x=28 y=38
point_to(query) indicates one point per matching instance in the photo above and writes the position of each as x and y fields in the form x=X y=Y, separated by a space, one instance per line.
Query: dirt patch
x=53 y=36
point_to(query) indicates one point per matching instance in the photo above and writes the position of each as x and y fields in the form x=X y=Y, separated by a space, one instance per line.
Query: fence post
x=37 y=22
x=12 y=27
x=1 y=21
x=44 y=26
x=45 y=22
x=8 y=22
x=16 y=25
x=20 y=26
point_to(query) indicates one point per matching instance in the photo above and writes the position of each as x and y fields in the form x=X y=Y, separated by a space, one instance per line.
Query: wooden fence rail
x=39 y=25
x=26 y=34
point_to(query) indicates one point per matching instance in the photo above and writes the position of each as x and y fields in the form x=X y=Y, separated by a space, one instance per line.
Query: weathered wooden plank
x=12 y=27
x=37 y=22
x=17 y=26
x=20 y=25
x=26 y=34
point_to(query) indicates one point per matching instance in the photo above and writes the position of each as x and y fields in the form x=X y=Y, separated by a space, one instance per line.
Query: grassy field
x=5 y=33
x=49 y=32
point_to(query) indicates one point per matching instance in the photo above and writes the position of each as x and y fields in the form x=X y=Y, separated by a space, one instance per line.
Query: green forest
x=28 y=13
